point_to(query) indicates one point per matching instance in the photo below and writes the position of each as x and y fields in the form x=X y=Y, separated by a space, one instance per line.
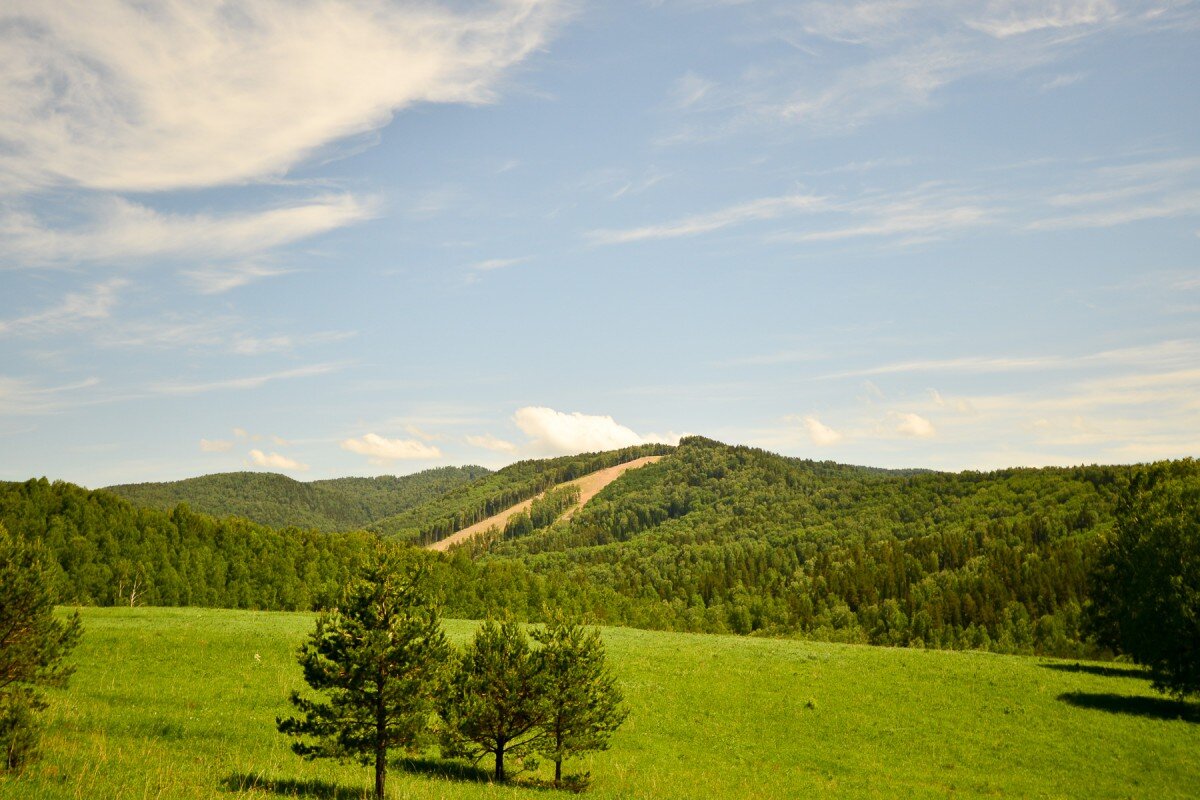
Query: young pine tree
x=494 y=703
x=583 y=704
x=33 y=645
x=378 y=661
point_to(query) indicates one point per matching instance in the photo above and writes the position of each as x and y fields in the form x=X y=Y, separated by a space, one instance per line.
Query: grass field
x=180 y=703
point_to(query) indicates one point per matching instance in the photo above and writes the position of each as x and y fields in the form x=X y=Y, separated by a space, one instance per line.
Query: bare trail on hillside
x=589 y=486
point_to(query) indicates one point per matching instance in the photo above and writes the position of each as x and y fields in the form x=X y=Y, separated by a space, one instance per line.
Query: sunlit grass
x=180 y=703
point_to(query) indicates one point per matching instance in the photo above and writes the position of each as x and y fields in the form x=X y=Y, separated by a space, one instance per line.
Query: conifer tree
x=33 y=645
x=377 y=660
x=494 y=704
x=583 y=704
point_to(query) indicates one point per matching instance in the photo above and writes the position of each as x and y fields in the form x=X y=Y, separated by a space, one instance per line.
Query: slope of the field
x=339 y=504
x=589 y=486
x=182 y=704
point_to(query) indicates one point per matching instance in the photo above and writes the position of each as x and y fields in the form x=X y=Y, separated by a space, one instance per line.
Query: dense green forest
x=469 y=503
x=713 y=538
x=339 y=504
x=738 y=539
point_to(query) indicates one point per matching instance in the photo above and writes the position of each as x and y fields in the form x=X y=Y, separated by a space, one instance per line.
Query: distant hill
x=338 y=504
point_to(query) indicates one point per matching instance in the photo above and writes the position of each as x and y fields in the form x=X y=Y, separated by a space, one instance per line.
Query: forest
x=337 y=504
x=714 y=538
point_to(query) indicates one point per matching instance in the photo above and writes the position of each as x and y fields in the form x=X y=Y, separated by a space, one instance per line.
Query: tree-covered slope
x=339 y=504
x=471 y=502
x=734 y=538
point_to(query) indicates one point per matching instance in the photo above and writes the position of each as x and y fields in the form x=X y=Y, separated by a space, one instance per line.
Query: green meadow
x=180 y=703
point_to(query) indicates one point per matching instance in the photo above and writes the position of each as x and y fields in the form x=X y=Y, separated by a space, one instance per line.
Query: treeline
x=340 y=504
x=733 y=539
x=543 y=512
x=516 y=483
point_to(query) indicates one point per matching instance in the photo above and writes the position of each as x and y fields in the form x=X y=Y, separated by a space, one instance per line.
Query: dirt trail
x=589 y=486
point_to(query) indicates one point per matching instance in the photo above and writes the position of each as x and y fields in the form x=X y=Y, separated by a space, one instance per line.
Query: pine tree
x=583 y=704
x=495 y=704
x=378 y=660
x=33 y=645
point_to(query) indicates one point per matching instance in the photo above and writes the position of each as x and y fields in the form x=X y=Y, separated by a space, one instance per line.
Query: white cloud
x=383 y=450
x=120 y=96
x=276 y=461
x=496 y=263
x=761 y=209
x=822 y=435
x=489 y=442
x=215 y=445
x=75 y=309
x=121 y=230
x=911 y=424
x=557 y=433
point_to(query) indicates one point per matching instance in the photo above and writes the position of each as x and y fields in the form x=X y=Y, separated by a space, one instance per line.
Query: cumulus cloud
x=383 y=451
x=910 y=424
x=821 y=434
x=124 y=96
x=557 y=433
x=276 y=461
x=489 y=442
x=216 y=445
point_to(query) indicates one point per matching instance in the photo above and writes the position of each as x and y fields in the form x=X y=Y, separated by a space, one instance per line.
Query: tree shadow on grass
x=1140 y=706
x=1103 y=671
x=289 y=787
x=442 y=768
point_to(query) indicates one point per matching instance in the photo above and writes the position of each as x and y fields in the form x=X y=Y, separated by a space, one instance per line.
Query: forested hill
x=734 y=538
x=471 y=502
x=712 y=538
x=340 y=504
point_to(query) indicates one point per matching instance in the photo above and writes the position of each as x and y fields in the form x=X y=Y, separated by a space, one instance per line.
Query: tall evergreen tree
x=33 y=645
x=378 y=660
x=495 y=704
x=583 y=704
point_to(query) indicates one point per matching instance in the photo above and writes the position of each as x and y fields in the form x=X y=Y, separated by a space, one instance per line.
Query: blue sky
x=353 y=238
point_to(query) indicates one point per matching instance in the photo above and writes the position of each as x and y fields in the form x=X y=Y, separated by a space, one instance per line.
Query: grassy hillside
x=338 y=504
x=181 y=704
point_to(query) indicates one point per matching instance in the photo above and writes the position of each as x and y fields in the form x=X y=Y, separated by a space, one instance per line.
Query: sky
x=357 y=237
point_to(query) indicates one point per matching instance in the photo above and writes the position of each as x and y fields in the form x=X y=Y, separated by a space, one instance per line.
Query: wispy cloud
x=249 y=382
x=762 y=209
x=22 y=396
x=489 y=442
x=857 y=62
x=75 y=309
x=821 y=434
x=215 y=445
x=119 y=230
x=496 y=263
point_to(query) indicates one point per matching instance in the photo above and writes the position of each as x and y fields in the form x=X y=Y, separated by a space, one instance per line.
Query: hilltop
x=339 y=504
